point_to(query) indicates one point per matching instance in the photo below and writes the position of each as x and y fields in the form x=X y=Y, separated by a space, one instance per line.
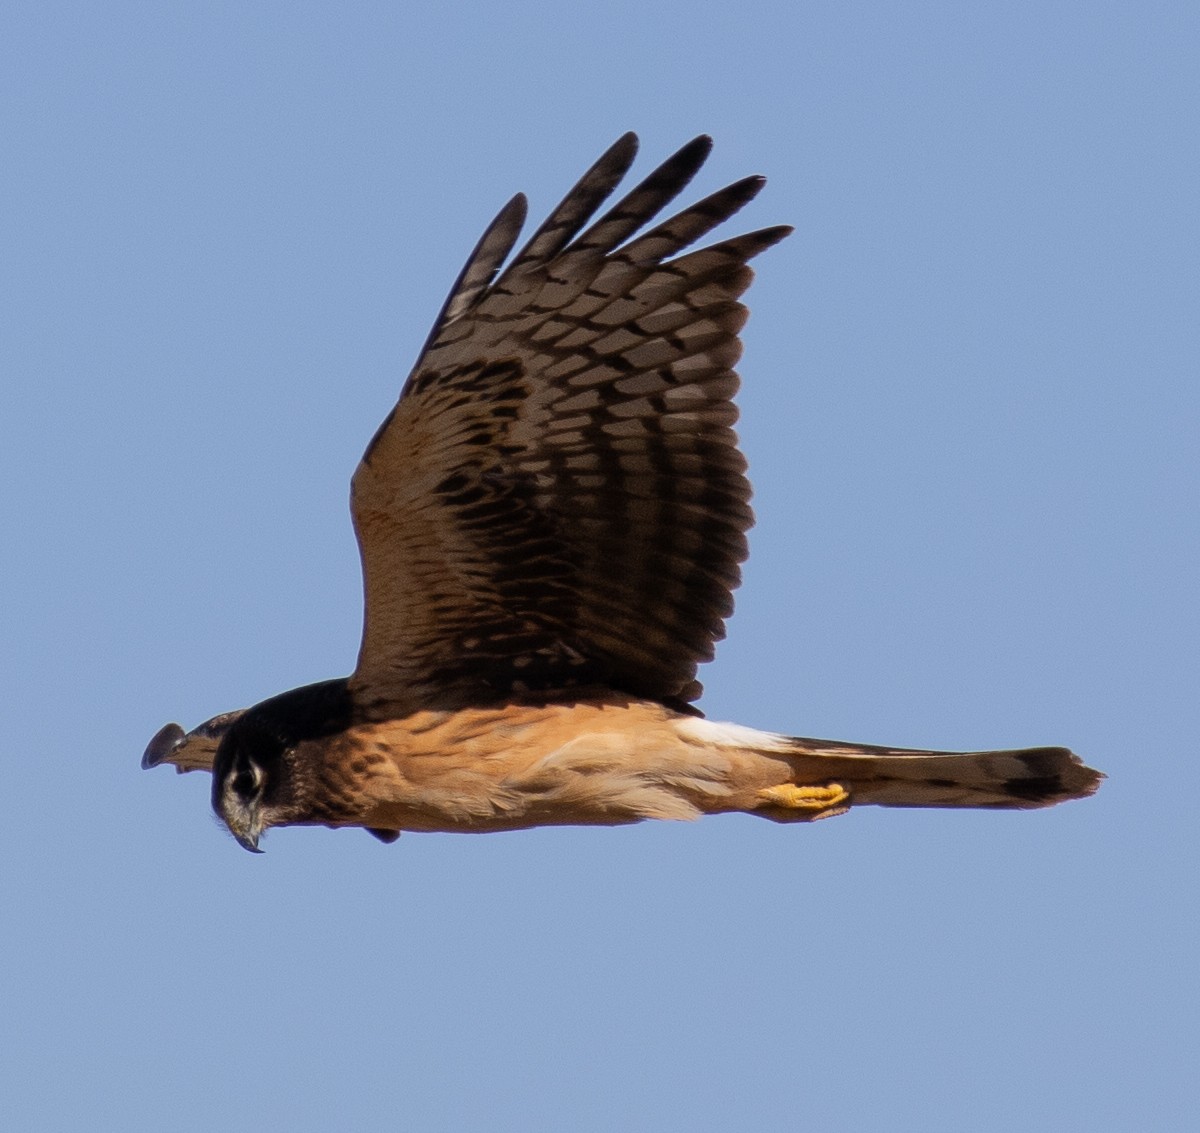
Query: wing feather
x=481 y=267
x=557 y=500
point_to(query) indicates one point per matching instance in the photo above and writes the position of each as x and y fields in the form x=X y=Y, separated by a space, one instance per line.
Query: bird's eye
x=247 y=780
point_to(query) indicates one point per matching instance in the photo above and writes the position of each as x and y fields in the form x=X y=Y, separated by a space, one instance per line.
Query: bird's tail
x=882 y=776
x=791 y=778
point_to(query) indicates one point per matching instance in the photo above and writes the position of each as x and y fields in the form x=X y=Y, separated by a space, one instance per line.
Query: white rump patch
x=730 y=735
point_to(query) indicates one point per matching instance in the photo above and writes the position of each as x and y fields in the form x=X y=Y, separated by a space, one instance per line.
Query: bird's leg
x=793 y=802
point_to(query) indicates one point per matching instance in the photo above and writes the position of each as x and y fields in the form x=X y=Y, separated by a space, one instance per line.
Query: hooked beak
x=248 y=841
x=245 y=824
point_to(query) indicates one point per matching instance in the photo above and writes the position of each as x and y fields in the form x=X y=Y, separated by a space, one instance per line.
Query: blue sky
x=970 y=404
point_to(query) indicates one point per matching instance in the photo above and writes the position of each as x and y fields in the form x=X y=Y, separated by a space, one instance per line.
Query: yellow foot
x=819 y=801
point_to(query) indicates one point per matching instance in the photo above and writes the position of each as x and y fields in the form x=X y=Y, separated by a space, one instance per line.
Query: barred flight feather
x=559 y=481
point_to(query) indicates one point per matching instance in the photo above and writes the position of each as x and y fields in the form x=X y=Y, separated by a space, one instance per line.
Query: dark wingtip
x=777 y=233
x=693 y=154
x=626 y=145
x=165 y=741
x=514 y=211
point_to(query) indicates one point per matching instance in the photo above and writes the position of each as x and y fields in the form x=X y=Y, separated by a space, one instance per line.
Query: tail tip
x=1052 y=775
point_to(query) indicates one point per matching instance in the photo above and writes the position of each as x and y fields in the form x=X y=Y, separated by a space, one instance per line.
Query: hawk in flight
x=551 y=522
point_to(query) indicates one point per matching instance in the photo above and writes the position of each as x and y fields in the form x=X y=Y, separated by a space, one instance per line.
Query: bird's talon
x=797 y=797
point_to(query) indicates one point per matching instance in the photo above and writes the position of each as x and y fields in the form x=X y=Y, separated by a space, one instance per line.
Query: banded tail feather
x=792 y=778
x=1022 y=779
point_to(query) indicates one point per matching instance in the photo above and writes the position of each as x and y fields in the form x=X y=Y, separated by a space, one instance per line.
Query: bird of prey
x=551 y=521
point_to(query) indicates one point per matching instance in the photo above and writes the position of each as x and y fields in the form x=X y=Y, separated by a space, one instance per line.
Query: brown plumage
x=551 y=522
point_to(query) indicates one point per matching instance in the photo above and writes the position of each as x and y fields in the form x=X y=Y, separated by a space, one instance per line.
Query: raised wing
x=557 y=499
x=189 y=751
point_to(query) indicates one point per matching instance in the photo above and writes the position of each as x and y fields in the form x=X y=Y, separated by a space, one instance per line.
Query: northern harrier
x=551 y=522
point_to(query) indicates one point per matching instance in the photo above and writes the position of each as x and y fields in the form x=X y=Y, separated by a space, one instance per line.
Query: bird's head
x=252 y=782
x=267 y=769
